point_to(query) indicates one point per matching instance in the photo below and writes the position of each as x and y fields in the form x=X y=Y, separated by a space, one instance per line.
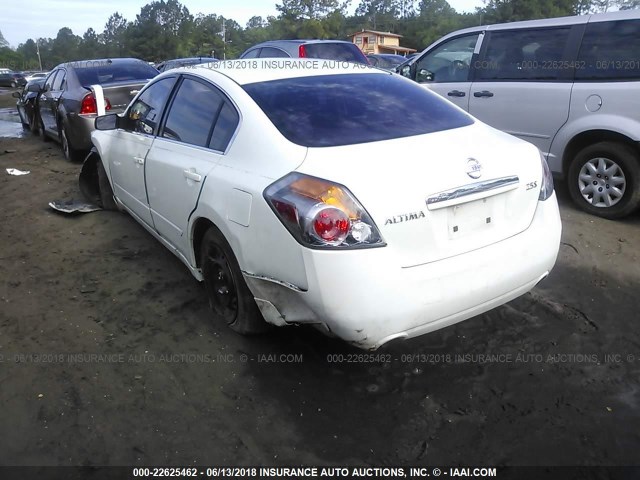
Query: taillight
x=546 y=187
x=302 y=52
x=90 y=106
x=321 y=214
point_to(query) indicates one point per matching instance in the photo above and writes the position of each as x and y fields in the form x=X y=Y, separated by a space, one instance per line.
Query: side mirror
x=16 y=94
x=34 y=87
x=424 y=76
x=107 y=122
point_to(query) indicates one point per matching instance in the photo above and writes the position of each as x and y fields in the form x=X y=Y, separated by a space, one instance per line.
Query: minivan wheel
x=14 y=84
x=604 y=179
x=229 y=297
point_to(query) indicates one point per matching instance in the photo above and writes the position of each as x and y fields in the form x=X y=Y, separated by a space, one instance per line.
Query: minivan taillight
x=321 y=214
x=302 y=52
x=90 y=106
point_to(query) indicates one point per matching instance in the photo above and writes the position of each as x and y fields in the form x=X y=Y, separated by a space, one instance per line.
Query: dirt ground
x=108 y=356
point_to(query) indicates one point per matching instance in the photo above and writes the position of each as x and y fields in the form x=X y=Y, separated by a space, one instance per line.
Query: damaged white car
x=329 y=194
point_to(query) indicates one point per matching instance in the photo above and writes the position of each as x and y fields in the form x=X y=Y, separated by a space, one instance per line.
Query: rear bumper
x=363 y=297
x=79 y=130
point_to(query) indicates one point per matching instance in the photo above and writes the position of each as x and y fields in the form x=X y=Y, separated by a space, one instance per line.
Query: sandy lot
x=108 y=357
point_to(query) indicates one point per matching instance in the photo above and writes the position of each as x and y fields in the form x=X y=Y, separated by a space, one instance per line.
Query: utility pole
x=224 y=38
x=38 y=52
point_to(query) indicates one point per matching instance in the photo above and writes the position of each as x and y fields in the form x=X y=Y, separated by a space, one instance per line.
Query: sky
x=24 y=19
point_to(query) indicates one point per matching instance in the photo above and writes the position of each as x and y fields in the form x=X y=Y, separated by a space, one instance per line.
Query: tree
x=65 y=46
x=90 y=45
x=113 y=36
x=308 y=9
x=3 y=41
x=500 y=11
x=162 y=30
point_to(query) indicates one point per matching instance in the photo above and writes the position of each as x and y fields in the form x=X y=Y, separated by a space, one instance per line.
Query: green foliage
x=166 y=29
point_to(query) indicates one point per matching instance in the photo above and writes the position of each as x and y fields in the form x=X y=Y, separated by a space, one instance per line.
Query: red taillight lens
x=90 y=106
x=321 y=214
x=331 y=225
x=302 y=52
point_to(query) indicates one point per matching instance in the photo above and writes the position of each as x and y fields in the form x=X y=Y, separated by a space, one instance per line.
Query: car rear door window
x=254 y=53
x=59 y=82
x=144 y=115
x=50 y=80
x=609 y=51
x=346 y=52
x=193 y=113
x=270 y=52
x=525 y=55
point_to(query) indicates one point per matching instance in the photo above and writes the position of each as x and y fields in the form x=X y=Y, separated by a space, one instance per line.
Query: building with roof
x=373 y=41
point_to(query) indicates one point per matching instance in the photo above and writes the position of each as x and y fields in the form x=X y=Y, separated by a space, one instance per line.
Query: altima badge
x=474 y=168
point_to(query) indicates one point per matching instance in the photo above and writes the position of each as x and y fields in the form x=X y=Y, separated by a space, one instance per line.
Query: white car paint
x=429 y=274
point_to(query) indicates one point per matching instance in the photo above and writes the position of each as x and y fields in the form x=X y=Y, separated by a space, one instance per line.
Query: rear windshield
x=102 y=72
x=332 y=110
x=347 y=52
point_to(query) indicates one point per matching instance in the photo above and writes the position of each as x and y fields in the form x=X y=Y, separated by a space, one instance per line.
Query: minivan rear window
x=609 y=51
x=102 y=72
x=346 y=52
x=346 y=109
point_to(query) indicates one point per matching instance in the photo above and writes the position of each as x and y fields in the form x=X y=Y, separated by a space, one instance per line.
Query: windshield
x=101 y=73
x=332 y=110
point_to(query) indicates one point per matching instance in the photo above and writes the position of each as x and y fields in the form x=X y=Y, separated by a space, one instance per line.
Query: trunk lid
x=120 y=94
x=441 y=194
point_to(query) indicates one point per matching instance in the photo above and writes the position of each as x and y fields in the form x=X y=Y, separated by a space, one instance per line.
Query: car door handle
x=191 y=175
x=483 y=93
x=456 y=93
x=138 y=160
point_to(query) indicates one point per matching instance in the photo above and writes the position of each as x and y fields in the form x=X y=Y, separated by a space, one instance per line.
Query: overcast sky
x=24 y=19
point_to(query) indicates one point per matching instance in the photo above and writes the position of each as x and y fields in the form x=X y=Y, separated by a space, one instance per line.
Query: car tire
x=45 y=137
x=106 y=192
x=604 y=179
x=229 y=297
x=34 y=123
x=69 y=152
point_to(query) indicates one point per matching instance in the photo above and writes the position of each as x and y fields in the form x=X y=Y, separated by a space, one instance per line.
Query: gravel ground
x=108 y=356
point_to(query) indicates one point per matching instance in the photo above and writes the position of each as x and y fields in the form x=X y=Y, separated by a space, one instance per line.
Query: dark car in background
x=12 y=79
x=386 y=61
x=183 y=62
x=74 y=93
x=325 y=49
x=26 y=104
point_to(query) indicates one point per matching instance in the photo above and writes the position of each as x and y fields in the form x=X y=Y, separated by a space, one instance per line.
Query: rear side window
x=332 y=110
x=200 y=115
x=525 y=55
x=609 y=51
x=98 y=72
x=251 y=53
x=225 y=127
x=270 y=52
x=50 y=79
x=144 y=115
x=346 y=52
x=59 y=82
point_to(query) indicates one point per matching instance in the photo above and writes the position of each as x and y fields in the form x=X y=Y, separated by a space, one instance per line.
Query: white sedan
x=331 y=194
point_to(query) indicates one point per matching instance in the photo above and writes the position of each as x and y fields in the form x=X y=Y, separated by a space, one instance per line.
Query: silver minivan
x=570 y=86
